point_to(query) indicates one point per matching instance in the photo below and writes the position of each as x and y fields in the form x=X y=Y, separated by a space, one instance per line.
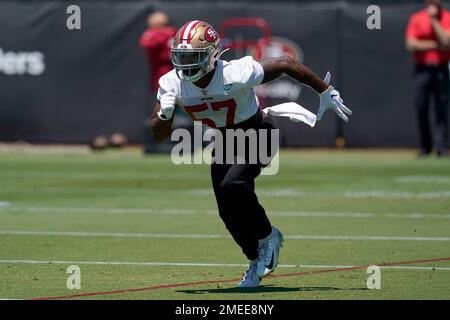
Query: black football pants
x=239 y=208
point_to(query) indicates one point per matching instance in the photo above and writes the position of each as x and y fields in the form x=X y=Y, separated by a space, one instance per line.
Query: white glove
x=167 y=104
x=331 y=99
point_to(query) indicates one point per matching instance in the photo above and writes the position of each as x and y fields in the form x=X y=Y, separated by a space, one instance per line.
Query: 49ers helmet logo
x=210 y=34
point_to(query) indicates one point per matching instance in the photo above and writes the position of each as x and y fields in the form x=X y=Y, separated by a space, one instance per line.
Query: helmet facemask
x=192 y=63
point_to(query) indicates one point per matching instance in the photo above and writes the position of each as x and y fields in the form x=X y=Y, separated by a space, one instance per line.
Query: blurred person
x=156 y=41
x=428 y=39
x=221 y=95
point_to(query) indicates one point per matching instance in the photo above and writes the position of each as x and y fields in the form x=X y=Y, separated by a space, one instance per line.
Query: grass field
x=130 y=221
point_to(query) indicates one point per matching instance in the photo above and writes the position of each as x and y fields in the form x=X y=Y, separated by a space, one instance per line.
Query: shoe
x=250 y=279
x=269 y=252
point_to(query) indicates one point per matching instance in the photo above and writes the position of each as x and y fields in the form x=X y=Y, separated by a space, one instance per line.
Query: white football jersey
x=228 y=99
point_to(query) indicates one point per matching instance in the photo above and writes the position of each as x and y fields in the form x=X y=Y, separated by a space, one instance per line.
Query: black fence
x=64 y=86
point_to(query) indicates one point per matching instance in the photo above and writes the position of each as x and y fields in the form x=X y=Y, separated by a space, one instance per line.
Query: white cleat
x=269 y=252
x=250 y=279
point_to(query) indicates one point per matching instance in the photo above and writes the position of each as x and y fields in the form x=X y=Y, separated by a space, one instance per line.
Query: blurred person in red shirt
x=428 y=39
x=156 y=40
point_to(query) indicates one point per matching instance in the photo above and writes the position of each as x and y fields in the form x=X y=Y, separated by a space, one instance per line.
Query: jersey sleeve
x=162 y=88
x=246 y=71
x=167 y=83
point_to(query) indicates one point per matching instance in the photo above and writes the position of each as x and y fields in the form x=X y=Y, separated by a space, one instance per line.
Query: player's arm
x=415 y=45
x=329 y=97
x=275 y=68
x=442 y=35
x=160 y=129
x=162 y=117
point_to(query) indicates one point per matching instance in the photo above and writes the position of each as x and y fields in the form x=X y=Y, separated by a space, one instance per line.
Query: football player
x=220 y=94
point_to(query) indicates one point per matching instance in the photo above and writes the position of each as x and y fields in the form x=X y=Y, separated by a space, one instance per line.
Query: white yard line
x=101 y=210
x=290 y=193
x=398 y=194
x=179 y=211
x=279 y=193
x=111 y=234
x=5 y=204
x=200 y=264
x=207 y=236
x=423 y=179
x=370 y=238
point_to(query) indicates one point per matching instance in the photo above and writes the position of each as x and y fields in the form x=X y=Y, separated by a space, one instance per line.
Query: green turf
x=314 y=194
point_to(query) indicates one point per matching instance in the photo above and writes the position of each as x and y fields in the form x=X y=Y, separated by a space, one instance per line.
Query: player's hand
x=167 y=104
x=331 y=99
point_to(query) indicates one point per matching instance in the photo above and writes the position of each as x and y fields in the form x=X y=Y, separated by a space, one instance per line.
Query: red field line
x=187 y=284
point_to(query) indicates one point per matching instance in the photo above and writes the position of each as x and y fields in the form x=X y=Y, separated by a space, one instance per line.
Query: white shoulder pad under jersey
x=227 y=100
